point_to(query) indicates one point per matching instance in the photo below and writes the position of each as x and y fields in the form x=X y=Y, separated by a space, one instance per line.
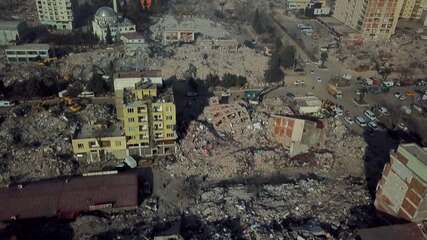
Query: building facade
x=133 y=42
x=106 y=19
x=57 y=14
x=402 y=190
x=413 y=9
x=149 y=122
x=298 y=135
x=98 y=142
x=10 y=31
x=27 y=53
x=375 y=19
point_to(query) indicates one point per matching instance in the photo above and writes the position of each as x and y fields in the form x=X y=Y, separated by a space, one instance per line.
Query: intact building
x=402 y=190
x=148 y=126
x=106 y=19
x=149 y=121
x=10 y=31
x=27 y=53
x=375 y=19
x=413 y=9
x=56 y=13
x=99 y=142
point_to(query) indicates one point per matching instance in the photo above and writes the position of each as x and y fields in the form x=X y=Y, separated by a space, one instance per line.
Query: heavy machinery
x=72 y=104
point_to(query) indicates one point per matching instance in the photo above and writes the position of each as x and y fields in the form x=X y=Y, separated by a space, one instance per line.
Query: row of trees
x=262 y=22
x=282 y=57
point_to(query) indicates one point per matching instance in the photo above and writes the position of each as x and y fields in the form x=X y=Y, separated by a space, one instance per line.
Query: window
x=80 y=146
x=169 y=117
x=130 y=110
x=131 y=120
x=118 y=143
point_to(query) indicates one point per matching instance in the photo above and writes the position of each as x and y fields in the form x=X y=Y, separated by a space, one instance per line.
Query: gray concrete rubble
x=36 y=143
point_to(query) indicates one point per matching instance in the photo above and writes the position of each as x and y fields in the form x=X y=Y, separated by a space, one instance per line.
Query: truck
x=334 y=91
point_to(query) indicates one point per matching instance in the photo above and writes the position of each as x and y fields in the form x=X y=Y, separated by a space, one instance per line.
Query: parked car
x=349 y=120
x=361 y=121
x=402 y=126
x=383 y=111
x=420 y=83
x=318 y=79
x=402 y=98
x=338 y=111
x=397 y=95
x=370 y=115
x=299 y=82
x=290 y=95
x=373 y=125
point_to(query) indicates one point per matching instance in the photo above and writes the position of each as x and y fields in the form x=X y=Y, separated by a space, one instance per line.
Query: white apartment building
x=27 y=53
x=55 y=13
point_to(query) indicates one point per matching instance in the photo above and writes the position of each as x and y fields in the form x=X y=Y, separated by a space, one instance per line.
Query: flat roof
x=68 y=196
x=132 y=35
x=417 y=159
x=96 y=131
x=141 y=74
x=10 y=25
x=308 y=101
x=30 y=46
x=394 y=232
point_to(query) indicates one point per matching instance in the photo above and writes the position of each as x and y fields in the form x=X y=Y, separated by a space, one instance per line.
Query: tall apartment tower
x=55 y=13
x=413 y=9
x=375 y=19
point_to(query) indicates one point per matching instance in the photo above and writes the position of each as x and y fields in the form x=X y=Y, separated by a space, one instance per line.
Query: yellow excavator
x=72 y=104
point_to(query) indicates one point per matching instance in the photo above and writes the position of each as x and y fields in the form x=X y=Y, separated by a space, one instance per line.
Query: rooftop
x=68 y=196
x=417 y=159
x=308 y=101
x=30 y=46
x=11 y=25
x=163 y=95
x=132 y=35
x=100 y=130
x=139 y=74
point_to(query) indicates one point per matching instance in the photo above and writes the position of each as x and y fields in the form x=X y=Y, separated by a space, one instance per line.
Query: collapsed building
x=296 y=134
x=227 y=118
x=402 y=190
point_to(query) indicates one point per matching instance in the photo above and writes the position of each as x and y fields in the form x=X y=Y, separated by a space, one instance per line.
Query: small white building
x=106 y=18
x=308 y=104
x=124 y=80
x=10 y=31
x=132 y=41
x=27 y=53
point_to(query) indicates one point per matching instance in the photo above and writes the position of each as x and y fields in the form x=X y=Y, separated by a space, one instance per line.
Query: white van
x=361 y=121
x=86 y=95
x=6 y=104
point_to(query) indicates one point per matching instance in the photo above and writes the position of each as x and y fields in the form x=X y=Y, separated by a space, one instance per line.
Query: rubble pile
x=36 y=145
x=296 y=208
x=348 y=150
x=245 y=62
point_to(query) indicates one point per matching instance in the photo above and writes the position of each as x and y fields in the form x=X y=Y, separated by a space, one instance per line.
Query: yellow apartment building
x=149 y=123
x=99 y=142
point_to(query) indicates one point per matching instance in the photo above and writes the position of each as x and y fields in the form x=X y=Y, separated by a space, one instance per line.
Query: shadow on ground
x=377 y=154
